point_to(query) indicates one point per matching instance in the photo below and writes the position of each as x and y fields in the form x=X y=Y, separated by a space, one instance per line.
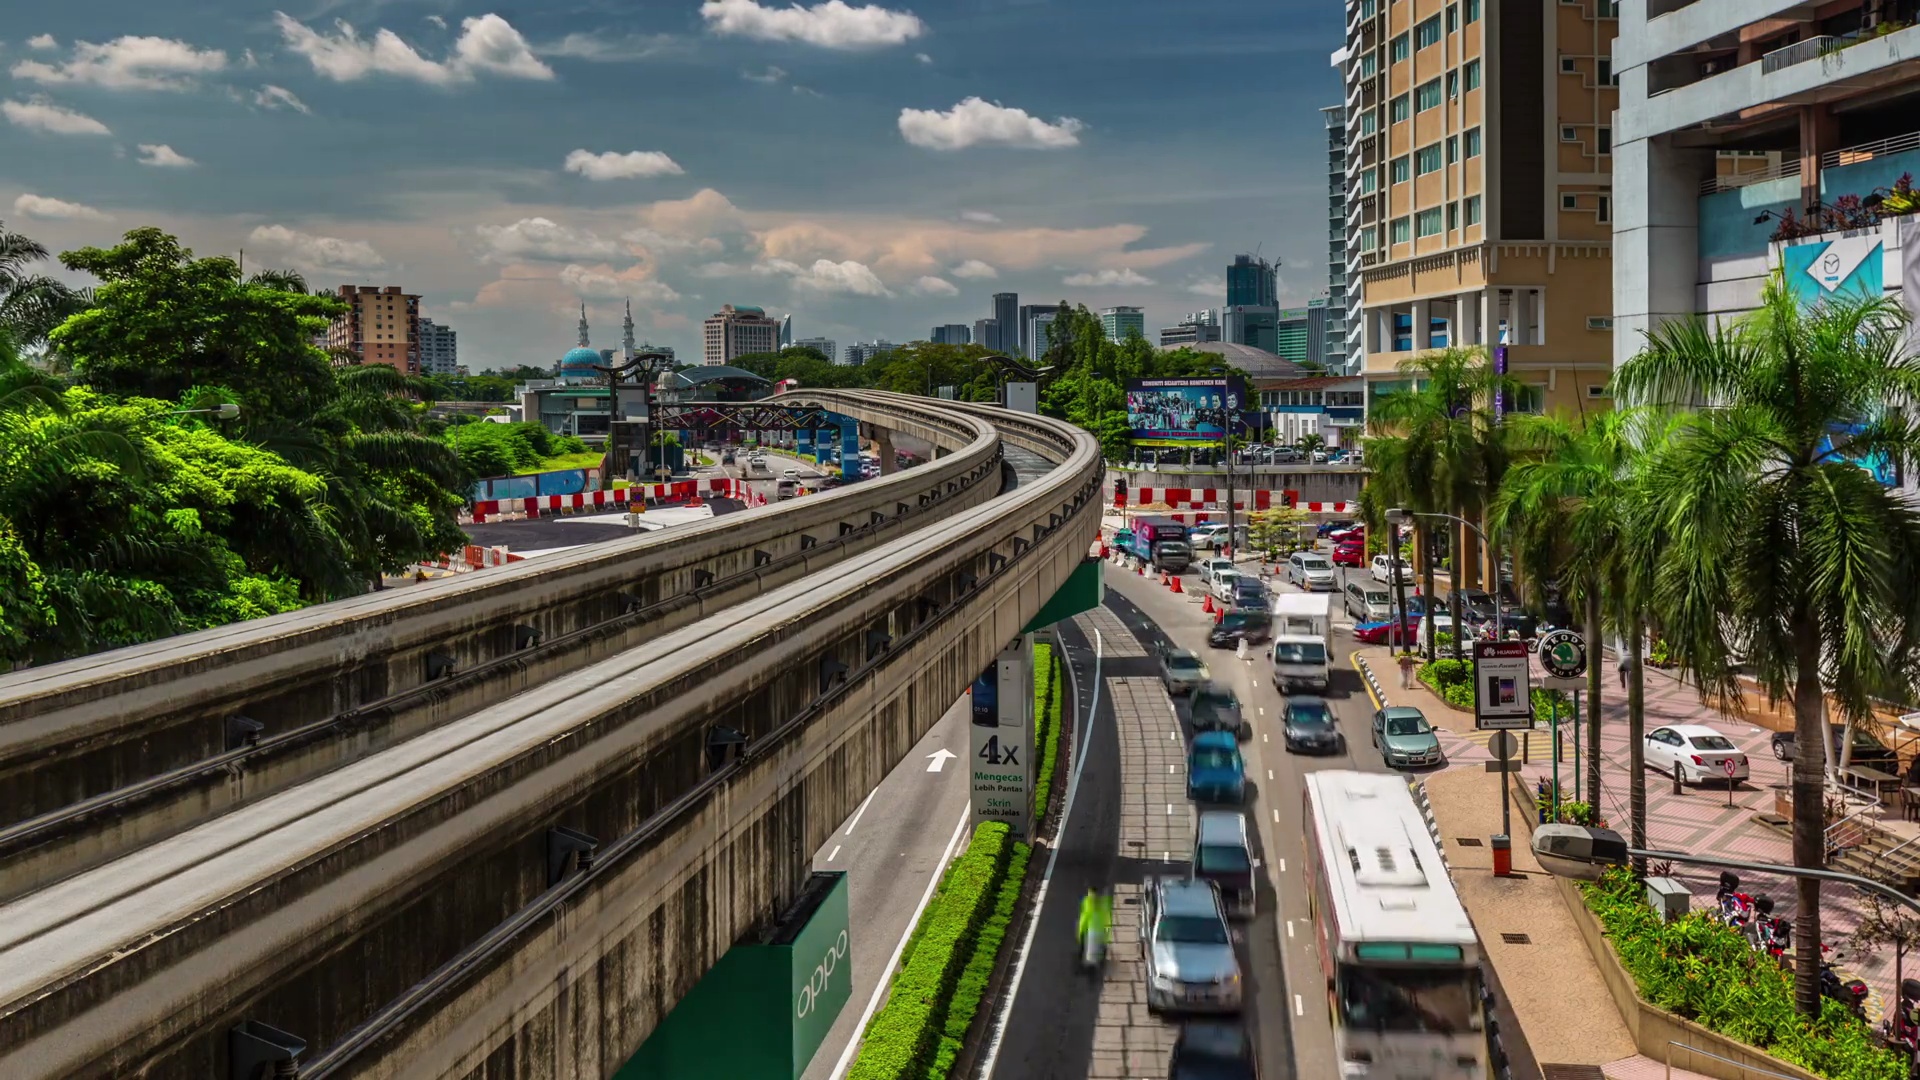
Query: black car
x=1476 y=605
x=1240 y=625
x=1309 y=727
x=1867 y=750
x=1212 y=1050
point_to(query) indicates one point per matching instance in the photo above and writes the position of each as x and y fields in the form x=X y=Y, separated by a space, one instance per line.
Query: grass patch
x=1708 y=973
x=972 y=987
x=587 y=460
x=902 y=1039
x=1048 y=695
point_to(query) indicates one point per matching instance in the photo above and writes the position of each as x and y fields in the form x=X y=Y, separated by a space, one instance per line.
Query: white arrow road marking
x=940 y=758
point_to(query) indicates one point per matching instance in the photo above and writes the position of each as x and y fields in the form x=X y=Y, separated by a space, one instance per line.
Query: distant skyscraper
x=626 y=332
x=1251 y=324
x=987 y=332
x=824 y=346
x=1118 y=322
x=1006 y=312
x=861 y=352
x=1290 y=334
x=786 y=330
x=1189 y=333
x=1038 y=324
x=439 y=349
x=951 y=334
x=1203 y=317
x=1320 y=336
x=733 y=331
x=382 y=326
x=1251 y=283
x=1333 y=346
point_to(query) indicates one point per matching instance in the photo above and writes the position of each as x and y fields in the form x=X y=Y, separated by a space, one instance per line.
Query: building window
x=1402 y=230
x=1603 y=72
x=1398 y=49
x=1399 y=108
x=1569 y=202
x=1427 y=222
x=1369 y=181
x=1367 y=9
x=1569 y=66
x=1472 y=139
x=1472 y=71
x=1603 y=140
x=1402 y=332
x=1426 y=160
x=1426 y=96
x=1569 y=133
x=1453 y=17
x=1473 y=209
x=1473 y=10
x=1369 y=238
x=1453 y=216
x=1529 y=398
x=1606 y=9
x=1398 y=170
x=1453 y=149
x=1368 y=65
x=1427 y=33
x=1606 y=208
x=1453 y=85
x=1368 y=125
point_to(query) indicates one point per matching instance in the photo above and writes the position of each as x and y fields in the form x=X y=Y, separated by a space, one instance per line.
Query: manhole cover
x=1571 y=1072
x=1468 y=841
x=1516 y=939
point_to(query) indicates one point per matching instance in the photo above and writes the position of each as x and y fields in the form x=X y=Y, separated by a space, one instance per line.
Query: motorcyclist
x=1096 y=916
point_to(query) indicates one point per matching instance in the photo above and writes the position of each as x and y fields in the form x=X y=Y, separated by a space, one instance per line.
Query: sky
x=872 y=169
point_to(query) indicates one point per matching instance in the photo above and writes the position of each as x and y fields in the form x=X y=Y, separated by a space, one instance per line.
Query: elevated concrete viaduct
x=103 y=754
x=405 y=914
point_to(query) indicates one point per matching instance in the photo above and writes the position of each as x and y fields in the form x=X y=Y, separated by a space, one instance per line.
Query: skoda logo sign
x=1563 y=654
x=822 y=976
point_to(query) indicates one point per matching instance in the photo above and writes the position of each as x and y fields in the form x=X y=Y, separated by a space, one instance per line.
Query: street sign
x=1501 y=745
x=1726 y=766
x=1563 y=655
x=1502 y=685
x=1001 y=766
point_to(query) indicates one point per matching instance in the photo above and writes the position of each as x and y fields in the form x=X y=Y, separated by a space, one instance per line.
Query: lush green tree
x=31 y=303
x=470 y=387
x=491 y=449
x=1772 y=543
x=1311 y=442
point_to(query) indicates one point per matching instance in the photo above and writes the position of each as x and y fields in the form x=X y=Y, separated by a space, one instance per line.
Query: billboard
x=1852 y=265
x=1183 y=412
x=1502 y=690
x=1002 y=729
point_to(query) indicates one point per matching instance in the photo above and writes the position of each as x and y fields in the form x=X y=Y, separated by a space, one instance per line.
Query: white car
x=1204 y=537
x=1212 y=569
x=1311 y=571
x=1225 y=585
x=1695 y=753
x=790 y=474
x=1384 y=567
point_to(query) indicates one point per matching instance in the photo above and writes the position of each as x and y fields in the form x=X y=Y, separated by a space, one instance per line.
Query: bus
x=1400 y=957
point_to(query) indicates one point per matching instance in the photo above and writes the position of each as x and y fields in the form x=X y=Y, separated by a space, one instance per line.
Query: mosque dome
x=579 y=363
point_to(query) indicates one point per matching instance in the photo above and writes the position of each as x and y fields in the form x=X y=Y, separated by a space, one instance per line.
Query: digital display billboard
x=1181 y=412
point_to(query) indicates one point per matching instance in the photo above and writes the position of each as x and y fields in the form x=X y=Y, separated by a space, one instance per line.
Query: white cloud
x=39 y=114
x=771 y=75
x=318 y=254
x=830 y=25
x=608 y=47
x=42 y=41
x=980 y=217
x=1108 y=278
x=279 y=97
x=824 y=276
x=601 y=283
x=127 y=63
x=933 y=286
x=923 y=58
x=975 y=121
x=437 y=21
x=974 y=270
x=163 y=156
x=1207 y=288
x=613 y=165
x=49 y=209
x=541 y=238
x=487 y=44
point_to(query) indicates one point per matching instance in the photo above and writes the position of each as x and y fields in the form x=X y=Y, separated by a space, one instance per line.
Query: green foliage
x=488 y=449
x=903 y=1038
x=1048 y=695
x=31 y=304
x=1579 y=813
x=1708 y=973
x=1546 y=702
x=972 y=985
x=473 y=387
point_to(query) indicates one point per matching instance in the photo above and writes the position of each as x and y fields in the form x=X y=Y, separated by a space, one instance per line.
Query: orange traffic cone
x=1207 y=604
x=1143 y=569
x=1163 y=577
x=1176 y=584
x=1220 y=615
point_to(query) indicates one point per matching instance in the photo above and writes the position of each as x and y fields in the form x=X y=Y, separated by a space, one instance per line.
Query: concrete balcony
x=1692 y=24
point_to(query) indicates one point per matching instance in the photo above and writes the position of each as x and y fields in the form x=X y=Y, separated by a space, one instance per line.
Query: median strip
x=1047 y=701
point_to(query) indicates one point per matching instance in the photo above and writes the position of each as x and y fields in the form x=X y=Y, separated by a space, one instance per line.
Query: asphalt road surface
x=893 y=848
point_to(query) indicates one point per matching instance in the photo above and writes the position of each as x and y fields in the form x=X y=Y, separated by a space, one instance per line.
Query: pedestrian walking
x=1406 y=671
x=1626 y=664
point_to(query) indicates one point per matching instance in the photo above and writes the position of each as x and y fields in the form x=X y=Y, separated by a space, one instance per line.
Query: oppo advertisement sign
x=794 y=980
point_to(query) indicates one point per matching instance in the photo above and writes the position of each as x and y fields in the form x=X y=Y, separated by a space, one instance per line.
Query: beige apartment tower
x=381 y=326
x=737 y=330
x=1479 y=189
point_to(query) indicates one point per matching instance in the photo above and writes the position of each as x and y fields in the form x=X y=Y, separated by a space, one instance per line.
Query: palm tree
x=1311 y=442
x=1772 y=540
x=31 y=304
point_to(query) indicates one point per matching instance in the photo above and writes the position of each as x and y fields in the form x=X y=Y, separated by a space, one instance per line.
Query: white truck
x=1302 y=640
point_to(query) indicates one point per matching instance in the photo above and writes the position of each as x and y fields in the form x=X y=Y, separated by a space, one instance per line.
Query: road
x=1060 y=1024
x=892 y=849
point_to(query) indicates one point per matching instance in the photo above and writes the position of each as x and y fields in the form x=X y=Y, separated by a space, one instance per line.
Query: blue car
x=1215 y=772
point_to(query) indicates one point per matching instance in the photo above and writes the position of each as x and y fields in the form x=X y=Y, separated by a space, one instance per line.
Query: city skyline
x=990 y=163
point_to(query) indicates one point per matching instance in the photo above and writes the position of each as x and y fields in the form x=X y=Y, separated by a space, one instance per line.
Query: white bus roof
x=1386 y=877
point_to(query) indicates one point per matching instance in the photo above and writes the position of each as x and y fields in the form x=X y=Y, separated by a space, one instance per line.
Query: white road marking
x=1263 y=710
x=940 y=758
x=1263 y=736
x=862 y=810
x=1269 y=774
x=1289 y=927
x=1169 y=809
x=1283 y=866
x=1298 y=1008
x=834 y=854
x=1276 y=817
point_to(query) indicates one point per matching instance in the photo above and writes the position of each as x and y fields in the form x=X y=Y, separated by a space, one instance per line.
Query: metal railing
x=1746 y=1070
x=1832 y=159
x=1797 y=53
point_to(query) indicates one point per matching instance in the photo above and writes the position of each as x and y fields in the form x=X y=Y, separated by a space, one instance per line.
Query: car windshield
x=1309 y=716
x=1444 y=1001
x=1213 y=759
x=1247 y=587
x=1299 y=652
x=1182 y=663
x=1314 y=562
x=1710 y=742
x=1408 y=725
x=1191 y=929
x=1223 y=859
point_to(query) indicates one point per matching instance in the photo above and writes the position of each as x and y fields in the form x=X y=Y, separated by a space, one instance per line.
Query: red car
x=1376 y=633
x=1350 y=553
x=1353 y=532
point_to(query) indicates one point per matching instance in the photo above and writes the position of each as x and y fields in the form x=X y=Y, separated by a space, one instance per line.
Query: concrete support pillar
x=1520 y=317
x=1466 y=329
x=1421 y=314
x=1656 y=236
x=883 y=449
x=1819 y=134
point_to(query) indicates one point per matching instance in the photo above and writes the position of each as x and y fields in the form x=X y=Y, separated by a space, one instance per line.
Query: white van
x=1368 y=601
x=1302 y=641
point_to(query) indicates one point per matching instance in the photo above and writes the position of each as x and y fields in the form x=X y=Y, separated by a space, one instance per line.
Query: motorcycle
x=1849 y=992
x=1767 y=933
x=1901 y=1031
x=1734 y=908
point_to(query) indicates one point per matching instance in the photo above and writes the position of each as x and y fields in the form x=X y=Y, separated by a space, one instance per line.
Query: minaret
x=583 y=325
x=626 y=331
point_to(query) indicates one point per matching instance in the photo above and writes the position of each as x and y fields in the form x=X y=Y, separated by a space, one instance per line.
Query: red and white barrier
x=678 y=491
x=1215 y=499
x=475 y=557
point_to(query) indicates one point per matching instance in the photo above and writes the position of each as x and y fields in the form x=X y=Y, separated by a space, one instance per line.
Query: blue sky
x=875 y=169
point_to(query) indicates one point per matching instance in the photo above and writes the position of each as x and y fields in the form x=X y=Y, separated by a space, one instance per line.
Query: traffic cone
x=1143 y=569
x=1163 y=577
x=1176 y=584
x=1207 y=604
x=1219 y=615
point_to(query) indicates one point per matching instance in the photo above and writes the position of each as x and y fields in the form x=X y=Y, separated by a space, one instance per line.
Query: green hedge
x=1048 y=695
x=901 y=1039
x=1708 y=973
x=1453 y=681
x=972 y=987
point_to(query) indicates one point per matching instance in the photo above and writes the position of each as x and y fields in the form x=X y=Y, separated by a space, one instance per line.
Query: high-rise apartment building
x=1006 y=312
x=1736 y=116
x=381 y=326
x=1251 y=324
x=1188 y=333
x=1319 y=316
x=1479 y=187
x=951 y=334
x=1333 y=336
x=1203 y=317
x=1290 y=334
x=737 y=330
x=1251 y=282
x=1039 y=325
x=439 y=349
x=826 y=347
x=786 y=330
x=987 y=332
x=862 y=351
x=1118 y=322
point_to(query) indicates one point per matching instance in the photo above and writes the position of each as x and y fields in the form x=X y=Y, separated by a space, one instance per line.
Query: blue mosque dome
x=578 y=364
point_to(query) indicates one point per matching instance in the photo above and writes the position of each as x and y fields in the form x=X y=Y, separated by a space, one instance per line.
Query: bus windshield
x=1445 y=1001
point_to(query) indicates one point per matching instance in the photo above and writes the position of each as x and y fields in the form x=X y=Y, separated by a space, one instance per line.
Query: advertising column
x=849 y=448
x=1001 y=765
x=803 y=442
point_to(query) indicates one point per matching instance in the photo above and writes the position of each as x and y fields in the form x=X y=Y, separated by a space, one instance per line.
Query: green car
x=1404 y=738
